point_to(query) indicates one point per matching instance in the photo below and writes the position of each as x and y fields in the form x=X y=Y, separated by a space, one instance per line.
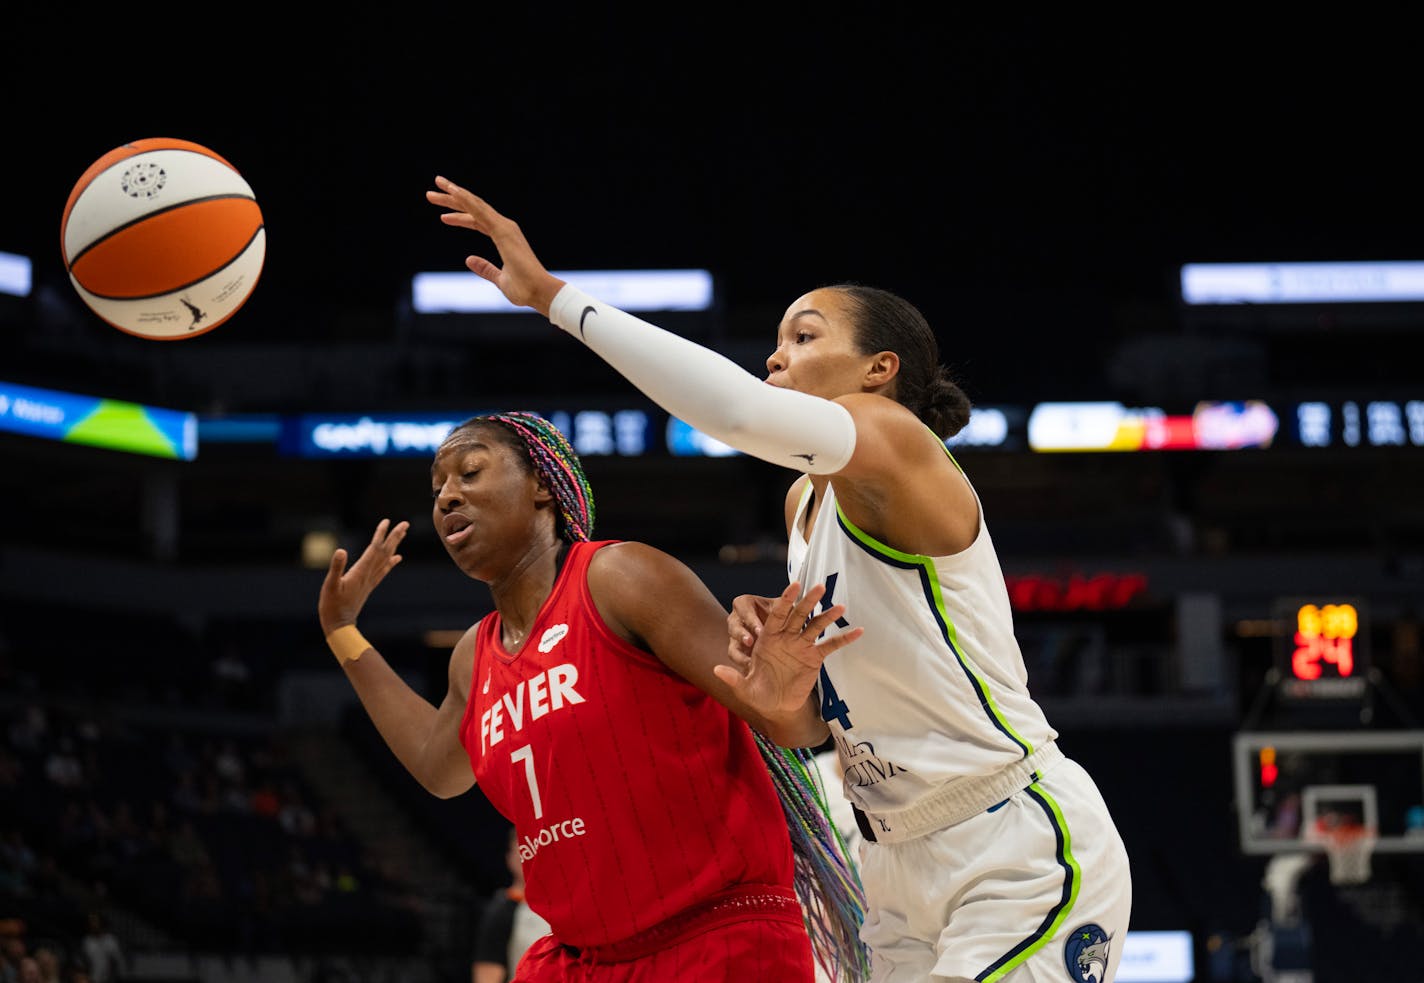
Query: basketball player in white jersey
x=989 y=856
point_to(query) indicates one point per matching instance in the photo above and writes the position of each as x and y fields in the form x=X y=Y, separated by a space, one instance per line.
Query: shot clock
x=1322 y=648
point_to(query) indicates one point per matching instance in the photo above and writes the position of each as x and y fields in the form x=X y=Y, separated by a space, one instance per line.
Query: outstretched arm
x=656 y=602
x=697 y=385
x=425 y=739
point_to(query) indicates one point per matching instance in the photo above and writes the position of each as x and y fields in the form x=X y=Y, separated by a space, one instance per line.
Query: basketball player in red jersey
x=586 y=707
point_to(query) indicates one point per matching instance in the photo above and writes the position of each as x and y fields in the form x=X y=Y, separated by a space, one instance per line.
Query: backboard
x=1287 y=782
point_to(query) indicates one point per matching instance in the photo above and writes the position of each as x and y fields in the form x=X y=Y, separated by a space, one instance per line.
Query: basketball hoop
x=1349 y=847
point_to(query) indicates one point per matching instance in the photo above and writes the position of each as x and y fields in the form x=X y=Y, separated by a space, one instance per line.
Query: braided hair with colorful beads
x=826 y=881
x=554 y=460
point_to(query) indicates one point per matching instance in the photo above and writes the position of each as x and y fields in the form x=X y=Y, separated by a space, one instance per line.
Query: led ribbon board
x=593 y=433
x=628 y=290
x=1302 y=283
x=98 y=422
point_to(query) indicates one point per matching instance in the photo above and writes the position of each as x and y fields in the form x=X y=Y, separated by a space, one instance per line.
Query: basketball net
x=1348 y=847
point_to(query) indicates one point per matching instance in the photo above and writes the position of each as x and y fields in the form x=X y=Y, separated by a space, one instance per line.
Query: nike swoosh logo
x=586 y=312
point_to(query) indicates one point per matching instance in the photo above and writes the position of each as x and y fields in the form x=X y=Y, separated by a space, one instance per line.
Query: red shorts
x=749 y=933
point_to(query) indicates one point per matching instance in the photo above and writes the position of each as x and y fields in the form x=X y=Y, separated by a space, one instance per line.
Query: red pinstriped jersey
x=633 y=793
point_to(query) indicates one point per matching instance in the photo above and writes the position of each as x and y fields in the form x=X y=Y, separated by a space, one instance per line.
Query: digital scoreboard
x=1322 y=650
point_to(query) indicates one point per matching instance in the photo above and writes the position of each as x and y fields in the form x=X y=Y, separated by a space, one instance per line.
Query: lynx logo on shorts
x=1086 y=953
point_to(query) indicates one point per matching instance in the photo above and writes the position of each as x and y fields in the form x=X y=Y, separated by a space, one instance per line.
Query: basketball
x=163 y=239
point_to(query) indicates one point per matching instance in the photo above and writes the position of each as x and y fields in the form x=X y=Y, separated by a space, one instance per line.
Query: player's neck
x=521 y=594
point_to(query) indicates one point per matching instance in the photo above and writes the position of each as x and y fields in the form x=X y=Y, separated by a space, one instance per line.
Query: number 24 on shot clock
x=1322 y=650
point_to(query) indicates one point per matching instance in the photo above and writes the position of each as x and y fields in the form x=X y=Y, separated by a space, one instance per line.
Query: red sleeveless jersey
x=634 y=795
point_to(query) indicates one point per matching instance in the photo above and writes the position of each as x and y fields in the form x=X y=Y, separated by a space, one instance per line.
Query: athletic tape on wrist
x=347 y=644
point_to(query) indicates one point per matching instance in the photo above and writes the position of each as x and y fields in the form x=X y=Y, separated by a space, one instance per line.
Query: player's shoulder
x=889 y=423
x=466 y=642
x=625 y=552
x=877 y=408
x=890 y=440
x=631 y=562
x=635 y=585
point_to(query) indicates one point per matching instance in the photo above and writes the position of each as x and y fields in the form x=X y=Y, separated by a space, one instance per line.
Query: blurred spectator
x=296 y=816
x=265 y=801
x=103 y=954
x=507 y=926
x=1285 y=824
x=186 y=848
x=47 y=963
x=13 y=949
x=186 y=796
x=62 y=766
x=87 y=729
x=17 y=863
x=47 y=883
x=29 y=730
x=303 y=877
x=232 y=679
x=228 y=763
x=346 y=881
x=128 y=837
x=202 y=884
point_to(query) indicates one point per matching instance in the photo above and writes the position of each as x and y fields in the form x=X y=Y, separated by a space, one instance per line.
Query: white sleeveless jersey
x=936 y=689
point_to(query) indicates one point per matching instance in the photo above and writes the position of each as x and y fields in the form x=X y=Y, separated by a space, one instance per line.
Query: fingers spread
x=781 y=613
x=807 y=604
x=822 y=621
x=835 y=642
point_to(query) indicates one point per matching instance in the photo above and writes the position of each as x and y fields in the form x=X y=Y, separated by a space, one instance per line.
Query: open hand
x=344 y=592
x=778 y=673
x=522 y=279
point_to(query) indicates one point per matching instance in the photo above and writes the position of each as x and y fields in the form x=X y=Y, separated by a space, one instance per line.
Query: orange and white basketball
x=163 y=239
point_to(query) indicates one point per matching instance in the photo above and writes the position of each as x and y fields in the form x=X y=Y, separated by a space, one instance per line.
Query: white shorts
x=1036 y=889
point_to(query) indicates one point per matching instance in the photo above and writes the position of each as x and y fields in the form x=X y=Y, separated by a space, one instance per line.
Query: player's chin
x=457 y=552
x=468 y=559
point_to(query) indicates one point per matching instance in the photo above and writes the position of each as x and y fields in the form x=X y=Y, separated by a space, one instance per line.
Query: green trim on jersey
x=930 y=578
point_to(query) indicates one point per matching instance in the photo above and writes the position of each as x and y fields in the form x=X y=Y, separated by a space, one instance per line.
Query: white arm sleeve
x=709 y=391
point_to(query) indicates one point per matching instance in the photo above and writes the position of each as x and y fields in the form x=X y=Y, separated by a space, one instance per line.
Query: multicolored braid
x=557 y=463
x=827 y=883
x=826 y=880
